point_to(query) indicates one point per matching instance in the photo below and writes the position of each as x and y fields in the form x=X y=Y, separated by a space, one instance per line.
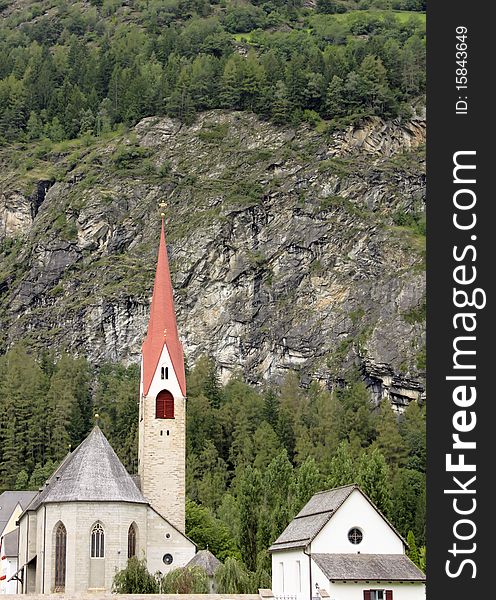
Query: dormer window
x=164 y=373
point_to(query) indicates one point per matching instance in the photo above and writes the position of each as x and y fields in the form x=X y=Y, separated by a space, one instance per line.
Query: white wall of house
x=378 y=537
x=9 y=567
x=6 y=563
x=290 y=574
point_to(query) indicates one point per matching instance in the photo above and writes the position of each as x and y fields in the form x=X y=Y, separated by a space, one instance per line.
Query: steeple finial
x=97 y=419
x=163 y=206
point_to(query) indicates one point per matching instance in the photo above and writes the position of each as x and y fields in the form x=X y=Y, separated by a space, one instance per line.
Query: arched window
x=164 y=406
x=60 y=557
x=97 y=541
x=131 y=541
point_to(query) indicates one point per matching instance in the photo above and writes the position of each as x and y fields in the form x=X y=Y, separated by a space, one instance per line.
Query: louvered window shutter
x=366 y=594
x=389 y=594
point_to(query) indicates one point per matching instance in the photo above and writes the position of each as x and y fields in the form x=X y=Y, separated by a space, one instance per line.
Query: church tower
x=162 y=409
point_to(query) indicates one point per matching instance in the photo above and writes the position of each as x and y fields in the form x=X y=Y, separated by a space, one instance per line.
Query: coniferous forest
x=254 y=456
x=72 y=69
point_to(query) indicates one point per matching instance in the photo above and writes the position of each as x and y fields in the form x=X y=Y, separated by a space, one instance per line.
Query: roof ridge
x=339 y=487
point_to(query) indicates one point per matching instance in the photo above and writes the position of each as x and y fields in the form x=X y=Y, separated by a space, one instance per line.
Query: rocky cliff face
x=290 y=249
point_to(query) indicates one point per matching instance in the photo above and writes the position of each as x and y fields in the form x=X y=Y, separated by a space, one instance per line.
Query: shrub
x=135 y=579
x=192 y=580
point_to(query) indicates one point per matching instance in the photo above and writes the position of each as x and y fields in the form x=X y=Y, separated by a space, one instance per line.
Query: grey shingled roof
x=10 y=543
x=367 y=567
x=206 y=560
x=312 y=518
x=92 y=473
x=9 y=500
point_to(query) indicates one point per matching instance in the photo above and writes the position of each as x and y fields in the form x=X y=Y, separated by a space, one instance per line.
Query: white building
x=341 y=547
x=91 y=515
x=12 y=503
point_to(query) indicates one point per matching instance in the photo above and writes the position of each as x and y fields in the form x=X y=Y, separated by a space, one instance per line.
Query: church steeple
x=162 y=326
x=162 y=412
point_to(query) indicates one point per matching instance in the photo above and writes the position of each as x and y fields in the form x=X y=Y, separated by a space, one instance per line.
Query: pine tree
x=334 y=100
x=373 y=477
x=342 y=466
x=306 y=482
x=22 y=480
x=266 y=445
x=281 y=107
x=33 y=127
x=231 y=82
x=249 y=492
x=413 y=554
x=389 y=440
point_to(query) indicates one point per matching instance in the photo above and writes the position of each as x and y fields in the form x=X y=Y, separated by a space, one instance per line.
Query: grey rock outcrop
x=286 y=249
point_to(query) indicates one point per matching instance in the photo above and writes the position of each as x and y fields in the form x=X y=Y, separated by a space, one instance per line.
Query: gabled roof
x=8 y=502
x=316 y=513
x=312 y=518
x=92 y=473
x=162 y=327
x=206 y=560
x=366 y=567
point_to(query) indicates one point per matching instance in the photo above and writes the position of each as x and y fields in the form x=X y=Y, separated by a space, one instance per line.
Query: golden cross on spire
x=163 y=206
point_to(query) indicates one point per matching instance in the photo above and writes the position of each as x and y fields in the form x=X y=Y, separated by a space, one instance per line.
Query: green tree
x=249 y=492
x=334 y=100
x=342 y=466
x=186 y=580
x=413 y=554
x=135 y=579
x=389 y=440
x=209 y=532
x=373 y=478
x=233 y=578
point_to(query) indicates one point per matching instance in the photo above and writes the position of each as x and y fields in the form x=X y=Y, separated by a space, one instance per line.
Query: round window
x=355 y=535
x=167 y=535
x=167 y=558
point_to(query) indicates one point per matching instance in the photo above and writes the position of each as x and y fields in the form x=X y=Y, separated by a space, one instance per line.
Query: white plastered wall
x=378 y=536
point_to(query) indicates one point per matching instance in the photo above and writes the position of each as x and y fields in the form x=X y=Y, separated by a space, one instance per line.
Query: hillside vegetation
x=76 y=68
x=254 y=456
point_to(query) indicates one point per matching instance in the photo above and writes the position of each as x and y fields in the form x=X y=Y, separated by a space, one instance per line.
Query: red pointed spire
x=162 y=327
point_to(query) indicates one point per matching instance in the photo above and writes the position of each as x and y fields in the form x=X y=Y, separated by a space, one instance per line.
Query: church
x=92 y=515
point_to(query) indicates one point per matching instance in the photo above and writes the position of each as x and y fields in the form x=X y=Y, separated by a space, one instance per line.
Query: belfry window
x=131 y=541
x=164 y=373
x=164 y=405
x=97 y=541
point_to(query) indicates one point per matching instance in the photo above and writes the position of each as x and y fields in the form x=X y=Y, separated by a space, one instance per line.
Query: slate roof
x=10 y=543
x=92 y=473
x=9 y=500
x=312 y=518
x=206 y=560
x=367 y=567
